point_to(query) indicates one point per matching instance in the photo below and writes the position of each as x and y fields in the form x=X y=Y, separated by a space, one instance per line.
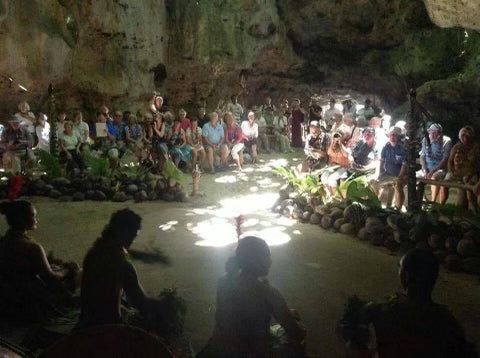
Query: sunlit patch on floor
x=297 y=232
x=226 y=179
x=169 y=226
x=218 y=229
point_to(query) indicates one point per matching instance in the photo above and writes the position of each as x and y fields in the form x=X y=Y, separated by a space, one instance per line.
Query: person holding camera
x=17 y=144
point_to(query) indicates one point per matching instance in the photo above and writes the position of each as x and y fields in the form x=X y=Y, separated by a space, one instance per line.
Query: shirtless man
x=108 y=273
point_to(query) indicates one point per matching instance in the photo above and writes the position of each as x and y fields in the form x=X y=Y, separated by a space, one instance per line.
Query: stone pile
x=454 y=241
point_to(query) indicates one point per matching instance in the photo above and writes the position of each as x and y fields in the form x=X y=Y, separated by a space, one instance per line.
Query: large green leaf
x=99 y=166
x=50 y=163
x=171 y=171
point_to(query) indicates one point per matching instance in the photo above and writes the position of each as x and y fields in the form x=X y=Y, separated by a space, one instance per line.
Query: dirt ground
x=316 y=270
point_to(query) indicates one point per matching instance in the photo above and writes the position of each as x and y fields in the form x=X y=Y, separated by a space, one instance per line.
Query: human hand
x=428 y=175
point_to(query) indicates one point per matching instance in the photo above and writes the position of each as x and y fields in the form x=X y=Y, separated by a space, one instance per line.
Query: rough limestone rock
x=336 y=213
x=467 y=248
x=362 y=234
x=347 y=228
x=452 y=13
x=315 y=219
x=306 y=216
x=99 y=195
x=106 y=47
x=132 y=189
x=54 y=194
x=119 y=197
x=436 y=242
x=338 y=223
x=140 y=196
x=326 y=222
x=78 y=196
x=322 y=210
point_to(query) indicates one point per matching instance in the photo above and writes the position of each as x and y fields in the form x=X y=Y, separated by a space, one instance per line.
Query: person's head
x=435 y=132
x=418 y=272
x=234 y=99
x=104 y=110
x=394 y=135
x=375 y=122
x=369 y=134
x=122 y=228
x=348 y=120
x=158 y=102
x=78 y=117
x=62 y=115
x=466 y=134
x=102 y=118
x=132 y=119
x=229 y=119
x=126 y=114
x=331 y=103
x=21 y=214
x=296 y=103
x=251 y=116
x=268 y=99
x=315 y=129
x=336 y=138
x=252 y=256
x=24 y=107
x=193 y=123
x=201 y=112
x=14 y=123
x=68 y=127
x=214 y=118
x=182 y=114
x=117 y=117
x=41 y=119
x=284 y=104
x=368 y=103
x=168 y=116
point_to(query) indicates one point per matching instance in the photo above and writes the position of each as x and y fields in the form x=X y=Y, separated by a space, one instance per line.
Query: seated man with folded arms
x=393 y=169
x=434 y=158
x=17 y=144
x=214 y=142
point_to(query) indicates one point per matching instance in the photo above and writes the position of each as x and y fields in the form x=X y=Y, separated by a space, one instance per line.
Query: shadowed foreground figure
x=108 y=274
x=412 y=325
x=246 y=302
x=31 y=288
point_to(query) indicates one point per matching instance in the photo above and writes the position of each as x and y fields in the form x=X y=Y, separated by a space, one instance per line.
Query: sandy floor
x=316 y=270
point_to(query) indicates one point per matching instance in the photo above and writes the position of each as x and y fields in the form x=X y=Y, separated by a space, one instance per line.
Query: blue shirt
x=394 y=158
x=213 y=134
x=119 y=131
x=111 y=128
x=438 y=151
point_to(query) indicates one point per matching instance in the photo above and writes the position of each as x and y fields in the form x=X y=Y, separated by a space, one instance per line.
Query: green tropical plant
x=50 y=163
x=358 y=189
x=99 y=166
x=171 y=171
x=309 y=184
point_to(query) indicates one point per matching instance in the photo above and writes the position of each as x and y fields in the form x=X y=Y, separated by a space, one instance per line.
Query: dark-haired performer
x=413 y=325
x=108 y=273
x=30 y=288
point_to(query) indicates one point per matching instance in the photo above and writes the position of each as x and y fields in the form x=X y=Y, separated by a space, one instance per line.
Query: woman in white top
x=194 y=140
x=280 y=124
x=27 y=118
x=250 y=133
x=81 y=128
x=70 y=143
x=43 y=133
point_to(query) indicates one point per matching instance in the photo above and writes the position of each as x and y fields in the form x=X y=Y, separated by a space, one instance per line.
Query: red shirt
x=185 y=124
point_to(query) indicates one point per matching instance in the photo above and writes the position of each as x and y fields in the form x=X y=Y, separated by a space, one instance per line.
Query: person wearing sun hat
x=434 y=157
x=16 y=143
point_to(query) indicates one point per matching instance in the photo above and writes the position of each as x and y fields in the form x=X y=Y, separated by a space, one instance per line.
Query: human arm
x=44 y=270
x=79 y=144
x=239 y=136
x=450 y=164
x=284 y=316
x=134 y=291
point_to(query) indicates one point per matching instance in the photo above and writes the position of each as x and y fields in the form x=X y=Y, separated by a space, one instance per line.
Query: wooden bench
x=447 y=184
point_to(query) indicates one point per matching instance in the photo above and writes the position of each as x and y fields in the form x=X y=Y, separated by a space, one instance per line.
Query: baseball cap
x=369 y=130
x=435 y=127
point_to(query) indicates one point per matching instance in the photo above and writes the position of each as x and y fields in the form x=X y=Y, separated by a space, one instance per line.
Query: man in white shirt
x=250 y=133
x=330 y=114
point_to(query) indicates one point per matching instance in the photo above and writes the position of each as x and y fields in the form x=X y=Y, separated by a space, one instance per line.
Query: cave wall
x=92 y=51
x=119 y=51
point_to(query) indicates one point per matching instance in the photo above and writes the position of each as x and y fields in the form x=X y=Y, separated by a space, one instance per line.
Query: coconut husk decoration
x=454 y=240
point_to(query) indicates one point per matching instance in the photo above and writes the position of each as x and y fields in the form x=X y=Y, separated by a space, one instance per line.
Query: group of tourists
x=342 y=145
x=35 y=288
